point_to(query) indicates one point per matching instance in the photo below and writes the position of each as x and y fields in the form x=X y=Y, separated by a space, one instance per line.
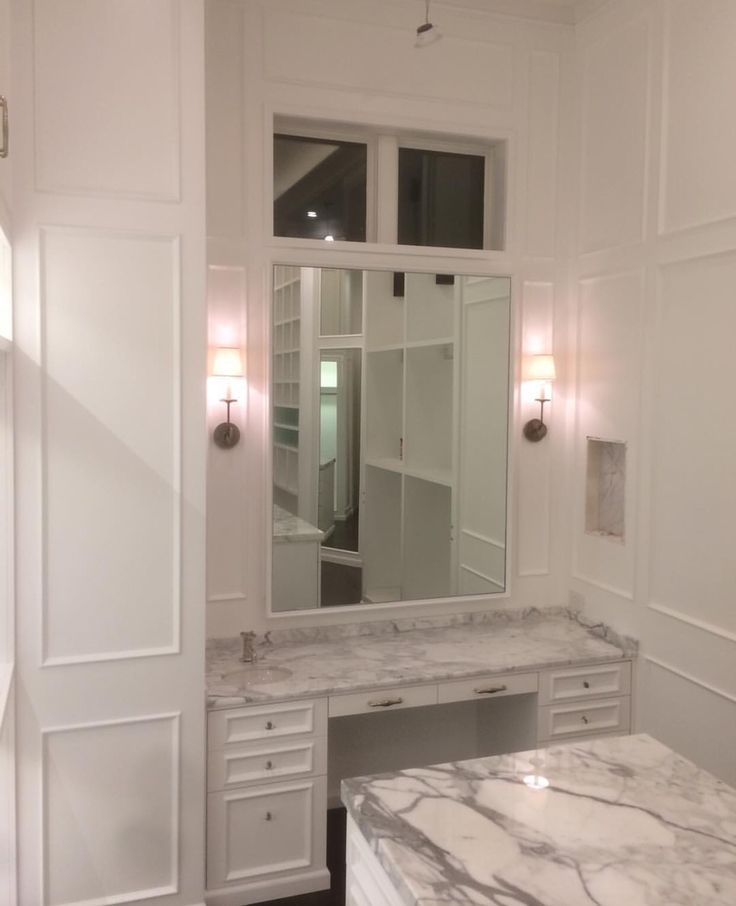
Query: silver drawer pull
x=385 y=702
x=269 y=765
x=270 y=725
x=489 y=690
x=584 y=719
x=586 y=684
x=4 y=126
x=269 y=816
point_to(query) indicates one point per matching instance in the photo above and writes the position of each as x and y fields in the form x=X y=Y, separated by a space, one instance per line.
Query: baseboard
x=273 y=889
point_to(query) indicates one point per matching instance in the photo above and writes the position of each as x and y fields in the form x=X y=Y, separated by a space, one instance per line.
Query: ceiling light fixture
x=311 y=214
x=329 y=238
x=427 y=33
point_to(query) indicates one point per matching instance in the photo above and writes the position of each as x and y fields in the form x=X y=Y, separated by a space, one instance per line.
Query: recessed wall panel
x=110 y=812
x=698 y=142
x=226 y=469
x=533 y=460
x=107 y=97
x=609 y=402
x=694 y=482
x=544 y=78
x=110 y=321
x=337 y=52
x=615 y=80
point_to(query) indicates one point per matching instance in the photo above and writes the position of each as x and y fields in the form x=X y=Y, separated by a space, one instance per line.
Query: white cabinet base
x=273 y=889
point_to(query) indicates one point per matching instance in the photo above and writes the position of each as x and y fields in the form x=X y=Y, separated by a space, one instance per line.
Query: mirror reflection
x=390 y=411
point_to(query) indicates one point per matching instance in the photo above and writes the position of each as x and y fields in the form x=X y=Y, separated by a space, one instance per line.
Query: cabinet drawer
x=584 y=682
x=257 y=831
x=481 y=687
x=267 y=722
x=382 y=700
x=559 y=721
x=254 y=762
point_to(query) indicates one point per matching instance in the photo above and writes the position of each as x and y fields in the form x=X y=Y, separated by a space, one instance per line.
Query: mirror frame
x=467 y=265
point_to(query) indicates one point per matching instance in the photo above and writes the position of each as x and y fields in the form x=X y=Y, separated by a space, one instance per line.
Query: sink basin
x=257 y=675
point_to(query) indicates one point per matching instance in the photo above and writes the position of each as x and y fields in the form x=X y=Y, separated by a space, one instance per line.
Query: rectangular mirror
x=390 y=434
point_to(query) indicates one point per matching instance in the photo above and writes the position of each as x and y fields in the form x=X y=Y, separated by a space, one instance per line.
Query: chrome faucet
x=247 y=654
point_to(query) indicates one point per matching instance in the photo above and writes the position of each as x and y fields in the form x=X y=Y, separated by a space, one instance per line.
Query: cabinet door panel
x=480 y=687
x=255 y=832
x=585 y=682
x=606 y=715
x=261 y=722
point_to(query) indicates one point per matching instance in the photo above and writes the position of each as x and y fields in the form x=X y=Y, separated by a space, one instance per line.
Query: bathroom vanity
x=473 y=685
x=608 y=821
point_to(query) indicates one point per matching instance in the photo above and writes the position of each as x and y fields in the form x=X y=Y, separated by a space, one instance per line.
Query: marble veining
x=371 y=661
x=624 y=822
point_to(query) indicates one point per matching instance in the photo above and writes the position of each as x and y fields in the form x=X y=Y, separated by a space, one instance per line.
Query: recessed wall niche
x=605 y=488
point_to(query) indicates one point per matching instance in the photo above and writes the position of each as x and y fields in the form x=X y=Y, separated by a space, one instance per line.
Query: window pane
x=319 y=188
x=441 y=199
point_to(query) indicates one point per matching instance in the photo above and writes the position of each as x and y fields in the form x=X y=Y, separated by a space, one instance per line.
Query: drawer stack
x=579 y=702
x=266 y=795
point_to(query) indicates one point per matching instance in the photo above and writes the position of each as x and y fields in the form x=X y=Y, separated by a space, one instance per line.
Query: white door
x=108 y=211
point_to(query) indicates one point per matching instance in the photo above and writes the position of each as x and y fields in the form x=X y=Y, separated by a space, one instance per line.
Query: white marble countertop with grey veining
x=624 y=821
x=288 y=527
x=358 y=657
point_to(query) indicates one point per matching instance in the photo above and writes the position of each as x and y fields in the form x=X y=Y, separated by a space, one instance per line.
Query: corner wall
x=655 y=321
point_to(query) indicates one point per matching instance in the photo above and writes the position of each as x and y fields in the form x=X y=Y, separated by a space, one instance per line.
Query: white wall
x=491 y=76
x=656 y=271
x=109 y=366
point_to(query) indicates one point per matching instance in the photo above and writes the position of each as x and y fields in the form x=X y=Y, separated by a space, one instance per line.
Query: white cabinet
x=266 y=802
x=584 y=701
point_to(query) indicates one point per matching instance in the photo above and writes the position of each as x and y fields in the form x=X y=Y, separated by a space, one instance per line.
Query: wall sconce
x=227 y=364
x=538 y=368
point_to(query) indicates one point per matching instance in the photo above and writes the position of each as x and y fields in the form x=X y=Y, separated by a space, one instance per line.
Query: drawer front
x=604 y=716
x=260 y=722
x=258 y=763
x=481 y=687
x=584 y=682
x=259 y=831
x=382 y=700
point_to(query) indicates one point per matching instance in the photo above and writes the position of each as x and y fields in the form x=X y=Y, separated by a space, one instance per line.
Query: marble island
x=618 y=821
x=387 y=653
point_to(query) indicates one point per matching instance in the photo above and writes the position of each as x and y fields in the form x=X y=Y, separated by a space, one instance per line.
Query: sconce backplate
x=535 y=430
x=226 y=435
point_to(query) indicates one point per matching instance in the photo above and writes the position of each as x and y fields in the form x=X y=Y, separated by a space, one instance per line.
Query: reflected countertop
x=622 y=820
x=288 y=527
x=356 y=657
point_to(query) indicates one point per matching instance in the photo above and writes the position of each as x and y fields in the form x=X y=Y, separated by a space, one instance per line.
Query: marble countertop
x=624 y=822
x=494 y=643
x=288 y=527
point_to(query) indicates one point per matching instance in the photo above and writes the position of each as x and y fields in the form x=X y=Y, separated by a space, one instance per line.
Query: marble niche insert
x=605 y=488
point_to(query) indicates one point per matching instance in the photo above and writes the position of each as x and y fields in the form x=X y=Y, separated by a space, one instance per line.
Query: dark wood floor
x=336 y=864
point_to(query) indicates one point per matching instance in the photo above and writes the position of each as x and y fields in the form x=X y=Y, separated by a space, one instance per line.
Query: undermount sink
x=256 y=675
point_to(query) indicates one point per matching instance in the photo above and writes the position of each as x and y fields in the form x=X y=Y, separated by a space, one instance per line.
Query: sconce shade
x=227 y=362
x=538 y=368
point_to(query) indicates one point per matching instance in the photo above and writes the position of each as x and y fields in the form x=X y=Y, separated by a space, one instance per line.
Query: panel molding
x=589 y=53
x=102 y=192
x=670 y=668
x=134 y=895
x=456 y=100
x=174 y=241
x=227 y=597
x=603 y=586
x=683 y=617
x=663 y=231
